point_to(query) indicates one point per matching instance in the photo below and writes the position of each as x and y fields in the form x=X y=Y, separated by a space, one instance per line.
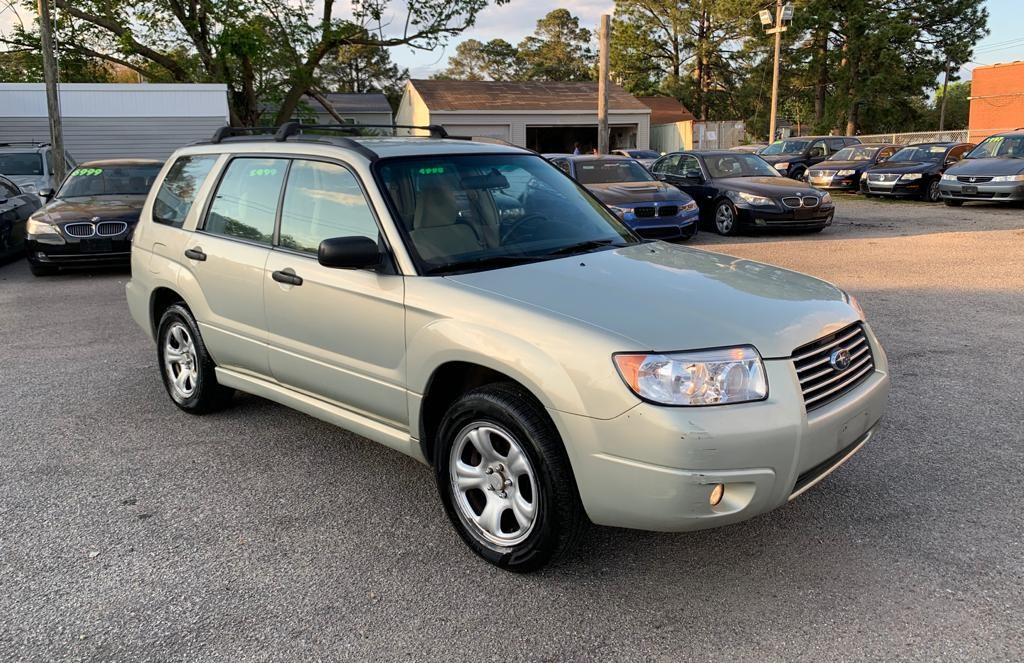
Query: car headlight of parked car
x=750 y=199
x=619 y=211
x=845 y=173
x=782 y=165
x=38 y=227
x=909 y=177
x=863 y=176
x=946 y=177
x=1008 y=178
x=826 y=198
x=689 y=206
x=703 y=377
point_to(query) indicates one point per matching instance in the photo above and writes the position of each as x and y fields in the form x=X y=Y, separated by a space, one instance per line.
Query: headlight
x=751 y=199
x=37 y=227
x=863 y=176
x=846 y=173
x=826 y=199
x=946 y=177
x=619 y=211
x=689 y=207
x=1008 y=178
x=704 y=377
x=909 y=177
x=782 y=165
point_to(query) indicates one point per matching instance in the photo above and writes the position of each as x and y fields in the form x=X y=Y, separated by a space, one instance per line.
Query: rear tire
x=505 y=480
x=186 y=366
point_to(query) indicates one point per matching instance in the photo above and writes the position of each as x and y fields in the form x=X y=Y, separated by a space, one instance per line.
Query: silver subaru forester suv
x=470 y=305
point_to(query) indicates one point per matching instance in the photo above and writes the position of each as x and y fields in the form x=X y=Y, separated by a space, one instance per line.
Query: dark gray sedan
x=15 y=208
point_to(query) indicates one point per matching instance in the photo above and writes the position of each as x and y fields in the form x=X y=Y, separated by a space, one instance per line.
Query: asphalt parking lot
x=131 y=531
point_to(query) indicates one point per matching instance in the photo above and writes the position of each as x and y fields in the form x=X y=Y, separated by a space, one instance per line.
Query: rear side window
x=323 y=200
x=179 y=189
x=245 y=205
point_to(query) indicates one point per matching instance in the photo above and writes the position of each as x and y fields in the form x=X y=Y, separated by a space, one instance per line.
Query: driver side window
x=819 y=148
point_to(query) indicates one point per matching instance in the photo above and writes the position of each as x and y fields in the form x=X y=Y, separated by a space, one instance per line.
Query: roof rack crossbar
x=227 y=132
x=289 y=129
x=292 y=128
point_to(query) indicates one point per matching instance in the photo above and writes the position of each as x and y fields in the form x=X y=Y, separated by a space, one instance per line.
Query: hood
x=106 y=208
x=636 y=192
x=989 y=166
x=40 y=182
x=664 y=297
x=767 y=186
x=905 y=167
x=776 y=158
x=842 y=165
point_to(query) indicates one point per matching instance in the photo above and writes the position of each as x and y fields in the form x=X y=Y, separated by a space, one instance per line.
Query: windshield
x=856 y=153
x=109 y=181
x=606 y=171
x=642 y=154
x=786 y=147
x=21 y=163
x=999 y=146
x=470 y=212
x=933 y=153
x=739 y=165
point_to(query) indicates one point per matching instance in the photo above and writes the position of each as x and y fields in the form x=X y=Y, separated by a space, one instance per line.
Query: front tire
x=505 y=480
x=186 y=366
x=932 y=194
x=726 y=218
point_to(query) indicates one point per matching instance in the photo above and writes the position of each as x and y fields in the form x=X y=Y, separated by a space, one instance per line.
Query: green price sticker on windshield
x=262 y=172
x=433 y=170
x=86 y=172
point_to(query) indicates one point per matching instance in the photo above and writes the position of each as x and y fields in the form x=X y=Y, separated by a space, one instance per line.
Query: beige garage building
x=543 y=116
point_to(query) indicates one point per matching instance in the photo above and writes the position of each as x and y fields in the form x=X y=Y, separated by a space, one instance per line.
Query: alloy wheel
x=180 y=361
x=493 y=484
x=724 y=218
x=934 y=194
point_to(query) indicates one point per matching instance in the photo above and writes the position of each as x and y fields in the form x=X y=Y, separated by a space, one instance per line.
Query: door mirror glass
x=817 y=151
x=47 y=194
x=349 y=253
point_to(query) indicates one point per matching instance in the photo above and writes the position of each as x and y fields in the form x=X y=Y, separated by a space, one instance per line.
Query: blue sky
x=515 y=20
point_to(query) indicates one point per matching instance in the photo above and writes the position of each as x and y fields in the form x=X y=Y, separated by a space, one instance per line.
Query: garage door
x=482 y=130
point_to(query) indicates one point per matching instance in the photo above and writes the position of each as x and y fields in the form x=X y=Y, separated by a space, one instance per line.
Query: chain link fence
x=957 y=135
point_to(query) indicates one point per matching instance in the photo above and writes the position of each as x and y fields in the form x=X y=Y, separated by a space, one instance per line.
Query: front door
x=337 y=334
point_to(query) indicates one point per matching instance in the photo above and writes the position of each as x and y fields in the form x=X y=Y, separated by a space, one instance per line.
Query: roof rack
x=33 y=143
x=227 y=132
x=291 y=128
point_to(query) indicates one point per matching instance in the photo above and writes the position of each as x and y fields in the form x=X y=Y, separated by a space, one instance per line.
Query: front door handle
x=195 y=254
x=289 y=277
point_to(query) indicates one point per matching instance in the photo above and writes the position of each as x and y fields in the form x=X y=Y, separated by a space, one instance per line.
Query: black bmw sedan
x=842 y=170
x=913 y=172
x=90 y=219
x=735 y=190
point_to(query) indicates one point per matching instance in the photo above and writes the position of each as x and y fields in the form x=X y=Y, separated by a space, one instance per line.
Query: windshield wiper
x=582 y=247
x=486 y=262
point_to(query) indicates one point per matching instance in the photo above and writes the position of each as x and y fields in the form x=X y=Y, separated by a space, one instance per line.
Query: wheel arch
x=160 y=300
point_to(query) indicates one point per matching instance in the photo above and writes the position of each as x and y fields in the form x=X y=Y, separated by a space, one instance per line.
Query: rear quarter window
x=178 y=190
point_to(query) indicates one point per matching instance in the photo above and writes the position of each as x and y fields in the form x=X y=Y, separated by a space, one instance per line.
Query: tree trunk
x=821 y=84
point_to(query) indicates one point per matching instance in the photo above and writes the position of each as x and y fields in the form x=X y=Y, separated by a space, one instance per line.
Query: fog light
x=716 y=494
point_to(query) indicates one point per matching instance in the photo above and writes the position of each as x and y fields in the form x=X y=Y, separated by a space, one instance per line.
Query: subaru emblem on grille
x=840 y=359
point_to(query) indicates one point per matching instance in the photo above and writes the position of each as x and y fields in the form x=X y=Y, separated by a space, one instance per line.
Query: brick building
x=997 y=99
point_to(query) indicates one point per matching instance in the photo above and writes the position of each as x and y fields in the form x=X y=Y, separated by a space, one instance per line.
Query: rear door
x=225 y=259
x=337 y=334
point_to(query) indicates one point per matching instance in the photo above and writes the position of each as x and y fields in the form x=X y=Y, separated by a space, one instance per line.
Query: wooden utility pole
x=602 y=87
x=942 y=104
x=52 y=100
x=777 y=30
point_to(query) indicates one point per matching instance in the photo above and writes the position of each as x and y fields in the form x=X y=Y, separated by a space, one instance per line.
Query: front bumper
x=897 y=189
x=43 y=250
x=801 y=217
x=682 y=225
x=993 y=191
x=835 y=183
x=654 y=467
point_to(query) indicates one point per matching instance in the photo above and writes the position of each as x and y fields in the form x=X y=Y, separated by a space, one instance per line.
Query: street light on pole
x=783 y=15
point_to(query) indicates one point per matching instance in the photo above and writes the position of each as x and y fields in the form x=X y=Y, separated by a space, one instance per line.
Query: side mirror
x=349 y=253
x=47 y=194
x=817 y=152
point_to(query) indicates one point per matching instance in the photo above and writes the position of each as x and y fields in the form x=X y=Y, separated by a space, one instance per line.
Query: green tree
x=496 y=60
x=558 y=50
x=253 y=46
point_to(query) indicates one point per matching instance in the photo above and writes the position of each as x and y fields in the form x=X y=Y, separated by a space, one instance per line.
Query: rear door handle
x=195 y=254
x=289 y=277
